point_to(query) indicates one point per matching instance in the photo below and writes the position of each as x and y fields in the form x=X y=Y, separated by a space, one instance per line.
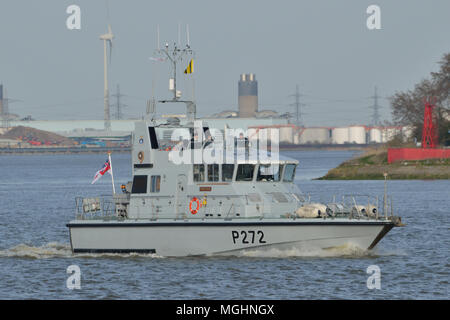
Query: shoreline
x=62 y=150
x=79 y=150
x=373 y=164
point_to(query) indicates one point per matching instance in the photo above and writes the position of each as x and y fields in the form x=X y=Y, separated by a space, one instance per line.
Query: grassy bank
x=373 y=164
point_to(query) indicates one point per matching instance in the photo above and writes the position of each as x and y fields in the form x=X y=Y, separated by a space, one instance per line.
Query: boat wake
x=61 y=250
x=344 y=251
x=49 y=250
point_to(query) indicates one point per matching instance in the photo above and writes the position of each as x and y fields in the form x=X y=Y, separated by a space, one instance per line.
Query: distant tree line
x=408 y=107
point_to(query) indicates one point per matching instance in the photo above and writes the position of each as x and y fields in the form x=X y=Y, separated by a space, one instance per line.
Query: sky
x=323 y=46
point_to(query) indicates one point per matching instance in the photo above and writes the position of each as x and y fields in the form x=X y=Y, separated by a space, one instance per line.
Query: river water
x=37 y=200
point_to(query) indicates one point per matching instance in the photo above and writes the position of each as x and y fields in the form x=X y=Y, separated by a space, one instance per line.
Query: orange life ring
x=194 y=199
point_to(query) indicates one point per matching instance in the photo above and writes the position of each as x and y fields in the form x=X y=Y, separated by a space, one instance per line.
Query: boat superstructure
x=191 y=195
x=177 y=209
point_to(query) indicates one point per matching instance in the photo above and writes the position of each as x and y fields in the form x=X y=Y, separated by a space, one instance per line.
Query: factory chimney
x=248 y=96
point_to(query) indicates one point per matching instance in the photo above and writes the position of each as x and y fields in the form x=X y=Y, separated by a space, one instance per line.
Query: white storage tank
x=286 y=135
x=339 y=135
x=375 y=135
x=296 y=138
x=388 y=133
x=357 y=134
x=315 y=135
x=269 y=133
x=407 y=133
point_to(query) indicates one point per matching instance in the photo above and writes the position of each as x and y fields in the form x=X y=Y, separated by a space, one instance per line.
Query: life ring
x=141 y=156
x=190 y=205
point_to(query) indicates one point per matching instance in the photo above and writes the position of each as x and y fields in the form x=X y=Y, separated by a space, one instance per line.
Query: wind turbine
x=107 y=38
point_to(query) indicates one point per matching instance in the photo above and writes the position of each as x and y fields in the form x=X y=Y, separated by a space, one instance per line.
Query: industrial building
x=247 y=116
x=314 y=135
x=123 y=128
x=350 y=135
x=248 y=96
x=5 y=115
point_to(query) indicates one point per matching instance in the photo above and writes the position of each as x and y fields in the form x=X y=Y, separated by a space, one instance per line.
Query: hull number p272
x=248 y=237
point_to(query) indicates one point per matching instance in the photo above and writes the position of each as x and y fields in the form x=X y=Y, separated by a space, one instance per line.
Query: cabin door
x=181 y=202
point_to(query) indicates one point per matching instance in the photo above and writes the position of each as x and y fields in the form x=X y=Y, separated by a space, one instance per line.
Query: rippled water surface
x=37 y=200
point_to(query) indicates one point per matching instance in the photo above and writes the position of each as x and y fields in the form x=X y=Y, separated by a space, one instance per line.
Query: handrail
x=107 y=207
x=93 y=207
x=229 y=210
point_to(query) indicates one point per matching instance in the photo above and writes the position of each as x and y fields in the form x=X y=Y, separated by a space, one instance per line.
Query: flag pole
x=112 y=175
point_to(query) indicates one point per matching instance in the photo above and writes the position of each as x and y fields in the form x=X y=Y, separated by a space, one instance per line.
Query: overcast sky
x=323 y=46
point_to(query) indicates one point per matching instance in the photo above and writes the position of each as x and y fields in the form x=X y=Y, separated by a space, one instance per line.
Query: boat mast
x=174 y=56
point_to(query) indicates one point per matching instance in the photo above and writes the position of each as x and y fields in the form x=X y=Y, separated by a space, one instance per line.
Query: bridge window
x=269 y=172
x=155 y=184
x=199 y=172
x=245 y=172
x=289 y=172
x=139 y=184
x=227 y=172
x=153 y=138
x=213 y=172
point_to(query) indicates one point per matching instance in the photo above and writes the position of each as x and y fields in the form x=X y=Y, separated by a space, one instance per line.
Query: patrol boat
x=198 y=207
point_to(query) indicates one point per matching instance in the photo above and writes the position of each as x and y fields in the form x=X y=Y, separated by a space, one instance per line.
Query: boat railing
x=95 y=207
x=357 y=206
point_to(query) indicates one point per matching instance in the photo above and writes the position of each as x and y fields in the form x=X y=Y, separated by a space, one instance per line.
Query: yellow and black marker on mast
x=190 y=67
